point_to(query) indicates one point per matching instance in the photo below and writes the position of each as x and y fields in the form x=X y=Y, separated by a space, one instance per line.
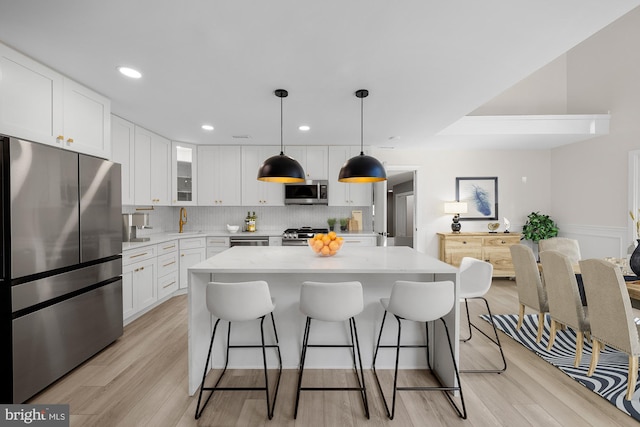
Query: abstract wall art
x=481 y=196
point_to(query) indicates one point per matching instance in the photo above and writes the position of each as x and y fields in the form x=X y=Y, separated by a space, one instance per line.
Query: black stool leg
x=495 y=340
x=361 y=385
x=466 y=305
x=303 y=355
x=204 y=375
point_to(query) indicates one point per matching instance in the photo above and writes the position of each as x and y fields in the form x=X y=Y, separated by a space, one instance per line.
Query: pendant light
x=362 y=168
x=281 y=168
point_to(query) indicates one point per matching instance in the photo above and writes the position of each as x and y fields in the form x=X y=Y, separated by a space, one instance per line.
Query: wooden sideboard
x=490 y=247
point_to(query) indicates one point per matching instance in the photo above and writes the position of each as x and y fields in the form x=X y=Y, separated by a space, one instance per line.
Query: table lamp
x=455 y=208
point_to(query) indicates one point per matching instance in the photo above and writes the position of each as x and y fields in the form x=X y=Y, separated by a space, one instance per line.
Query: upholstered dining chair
x=611 y=316
x=531 y=292
x=568 y=247
x=565 y=305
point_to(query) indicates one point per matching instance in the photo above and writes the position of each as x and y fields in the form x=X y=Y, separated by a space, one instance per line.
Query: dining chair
x=566 y=246
x=565 y=305
x=611 y=316
x=531 y=292
x=475 y=281
x=240 y=302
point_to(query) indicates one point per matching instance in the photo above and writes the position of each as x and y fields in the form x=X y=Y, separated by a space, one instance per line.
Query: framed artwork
x=481 y=196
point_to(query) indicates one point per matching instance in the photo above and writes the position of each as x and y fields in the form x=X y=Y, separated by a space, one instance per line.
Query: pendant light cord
x=362 y=126
x=281 y=144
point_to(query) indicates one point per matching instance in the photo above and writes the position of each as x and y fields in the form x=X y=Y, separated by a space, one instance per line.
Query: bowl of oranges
x=326 y=244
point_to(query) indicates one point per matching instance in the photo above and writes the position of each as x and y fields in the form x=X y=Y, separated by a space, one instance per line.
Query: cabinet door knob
x=60 y=137
x=70 y=140
x=464 y=242
x=182 y=255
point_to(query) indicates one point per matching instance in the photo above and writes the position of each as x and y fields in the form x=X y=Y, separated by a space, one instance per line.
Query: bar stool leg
x=204 y=375
x=303 y=355
x=361 y=385
x=466 y=305
x=495 y=340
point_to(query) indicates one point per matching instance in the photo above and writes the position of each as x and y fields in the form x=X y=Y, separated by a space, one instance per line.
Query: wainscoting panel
x=598 y=242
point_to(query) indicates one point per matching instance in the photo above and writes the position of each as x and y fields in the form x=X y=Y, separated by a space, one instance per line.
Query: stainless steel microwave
x=306 y=193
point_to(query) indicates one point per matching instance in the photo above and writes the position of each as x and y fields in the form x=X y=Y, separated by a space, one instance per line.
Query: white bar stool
x=240 y=302
x=419 y=302
x=475 y=281
x=332 y=302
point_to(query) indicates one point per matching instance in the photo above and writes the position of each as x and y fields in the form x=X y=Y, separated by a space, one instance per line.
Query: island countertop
x=301 y=259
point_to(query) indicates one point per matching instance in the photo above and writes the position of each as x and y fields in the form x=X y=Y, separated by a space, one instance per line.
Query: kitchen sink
x=185 y=233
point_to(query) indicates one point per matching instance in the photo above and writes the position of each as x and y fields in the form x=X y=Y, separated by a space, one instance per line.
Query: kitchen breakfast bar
x=284 y=269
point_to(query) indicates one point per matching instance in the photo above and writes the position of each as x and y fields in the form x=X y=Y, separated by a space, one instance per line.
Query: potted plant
x=331 y=222
x=539 y=227
x=343 y=224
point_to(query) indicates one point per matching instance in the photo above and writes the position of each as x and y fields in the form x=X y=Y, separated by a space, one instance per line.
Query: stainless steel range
x=299 y=236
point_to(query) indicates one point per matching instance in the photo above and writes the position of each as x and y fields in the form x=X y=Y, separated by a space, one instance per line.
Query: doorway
x=394 y=207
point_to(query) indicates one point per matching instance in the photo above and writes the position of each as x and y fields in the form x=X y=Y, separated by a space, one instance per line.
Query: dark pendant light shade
x=362 y=168
x=281 y=168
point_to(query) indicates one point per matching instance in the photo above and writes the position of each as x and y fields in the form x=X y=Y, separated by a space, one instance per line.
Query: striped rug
x=610 y=378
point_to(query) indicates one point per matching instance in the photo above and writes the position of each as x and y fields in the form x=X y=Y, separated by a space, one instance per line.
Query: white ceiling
x=426 y=63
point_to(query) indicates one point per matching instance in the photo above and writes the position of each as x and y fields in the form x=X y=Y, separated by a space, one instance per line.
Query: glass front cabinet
x=183 y=174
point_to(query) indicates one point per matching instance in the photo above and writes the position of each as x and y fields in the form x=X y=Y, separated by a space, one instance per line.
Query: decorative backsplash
x=276 y=219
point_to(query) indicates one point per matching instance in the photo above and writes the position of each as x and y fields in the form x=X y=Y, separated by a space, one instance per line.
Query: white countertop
x=301 y=259
x=156 y=238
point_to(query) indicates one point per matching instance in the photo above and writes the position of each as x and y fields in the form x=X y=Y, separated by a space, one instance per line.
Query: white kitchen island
x=284 y=269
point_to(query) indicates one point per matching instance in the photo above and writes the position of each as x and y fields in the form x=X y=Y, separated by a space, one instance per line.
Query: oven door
x=294 y=242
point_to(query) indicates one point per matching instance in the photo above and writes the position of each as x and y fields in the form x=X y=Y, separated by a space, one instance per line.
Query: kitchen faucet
x=183 y=218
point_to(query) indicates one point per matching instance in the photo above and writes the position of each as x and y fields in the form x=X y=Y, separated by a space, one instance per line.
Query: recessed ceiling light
x=207 y=127
x=304 y=128
x=130 y=72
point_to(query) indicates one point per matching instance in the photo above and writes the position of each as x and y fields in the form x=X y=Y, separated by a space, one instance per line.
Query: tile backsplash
x=272 y=219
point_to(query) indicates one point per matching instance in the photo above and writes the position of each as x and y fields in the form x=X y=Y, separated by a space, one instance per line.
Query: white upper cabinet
x=152 y=168
x=342 y=194
x=30 y=98
x=86 y=120
x=254 y=192
x=39 y=104
x=313 y=159
x=122 y=146
x=219 y=175
x=184 y=174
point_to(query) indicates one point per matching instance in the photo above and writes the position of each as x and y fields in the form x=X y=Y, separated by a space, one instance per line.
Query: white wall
x=590 y=179
x=436 y=183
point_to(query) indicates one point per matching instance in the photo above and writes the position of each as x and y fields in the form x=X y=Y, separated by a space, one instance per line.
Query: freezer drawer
x=50 y=342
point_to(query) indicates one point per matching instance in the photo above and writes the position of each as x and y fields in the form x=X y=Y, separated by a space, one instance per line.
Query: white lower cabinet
x=138 y=286
x=192 y=251
x=167 y=268
x=215 y=245
x=359 y=240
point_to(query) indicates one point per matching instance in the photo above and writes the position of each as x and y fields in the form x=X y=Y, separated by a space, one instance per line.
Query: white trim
x=634 y=190
x=597 y=241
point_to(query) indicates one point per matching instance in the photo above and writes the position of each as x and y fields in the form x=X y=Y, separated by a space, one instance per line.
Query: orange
x=318 y=236
x=334 y=246
x=332 y=235
x=318 y=244
x=325 y=250
x=326 y=240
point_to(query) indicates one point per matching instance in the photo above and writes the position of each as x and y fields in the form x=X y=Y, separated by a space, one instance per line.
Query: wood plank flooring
x=141 y=380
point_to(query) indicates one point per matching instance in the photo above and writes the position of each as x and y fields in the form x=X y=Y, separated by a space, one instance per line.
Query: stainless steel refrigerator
x=61 y=286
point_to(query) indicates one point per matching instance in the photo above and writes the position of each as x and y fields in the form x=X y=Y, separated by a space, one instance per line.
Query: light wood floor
x=142 y=380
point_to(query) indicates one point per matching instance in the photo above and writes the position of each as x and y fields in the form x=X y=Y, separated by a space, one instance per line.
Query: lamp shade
x=455 y=207
x=281 y=168
x=361 y=169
